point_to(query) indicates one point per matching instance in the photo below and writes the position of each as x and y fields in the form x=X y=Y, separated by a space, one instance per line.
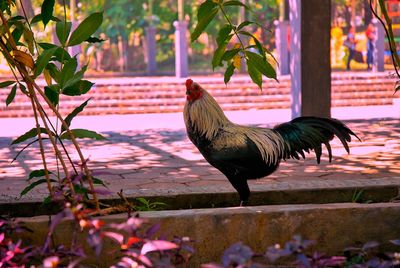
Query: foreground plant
x=139 y=246
x=297 y=253
x=29 y=59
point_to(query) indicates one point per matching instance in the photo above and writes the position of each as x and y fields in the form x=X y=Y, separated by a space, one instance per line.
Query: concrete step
x=109 y=97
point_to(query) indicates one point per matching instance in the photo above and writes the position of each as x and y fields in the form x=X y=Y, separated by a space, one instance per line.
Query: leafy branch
x=231 y=55
x=17 y=43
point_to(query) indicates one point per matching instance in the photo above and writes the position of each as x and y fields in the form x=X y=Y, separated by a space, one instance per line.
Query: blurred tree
x=28 y=8
x=265 y=12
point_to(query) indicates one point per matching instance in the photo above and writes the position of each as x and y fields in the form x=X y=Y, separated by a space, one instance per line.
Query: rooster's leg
x=242 y=188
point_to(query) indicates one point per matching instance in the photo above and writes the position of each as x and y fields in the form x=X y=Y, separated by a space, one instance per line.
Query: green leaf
x=235 y=3
x=261 y=64
x=207 y=11
x=78 y=88
x=47 y=200
x=98 y=182
x=217 y=58
x=254 y=73
x=223 y=39
x=228 y=55
x=258 y=44
x=68 y=71
x=46 y=46
x=63 y=29
x=71 y=116
x=14 y=19
x=228 y=73
x=224 y=34
x=244 y=24
x=23 y=88
x=33 y=185
x=81 y=190
x=47 y=11
x=53 y=70
x=29 y=39
x=18 y=31
x=12 y=94
x=6 y=83
x=37 y=174
x=87 y=27
x=77 y=77
x=30 y=134
x=43 y=59
x=52 y=93
x=81 y=134
x=61 y=54
x=36 y=19
x=93 y=39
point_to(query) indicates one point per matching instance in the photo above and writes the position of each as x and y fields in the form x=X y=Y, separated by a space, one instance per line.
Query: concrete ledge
x=300 y=192
x=332 y=226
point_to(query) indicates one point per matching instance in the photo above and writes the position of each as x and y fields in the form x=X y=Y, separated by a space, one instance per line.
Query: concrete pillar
x=310 y=68
x=379 y=47
x=282 y=48
x=181 y=49
x=151 y=48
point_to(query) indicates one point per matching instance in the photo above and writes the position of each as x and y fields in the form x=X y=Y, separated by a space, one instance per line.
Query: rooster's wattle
x=243 y=153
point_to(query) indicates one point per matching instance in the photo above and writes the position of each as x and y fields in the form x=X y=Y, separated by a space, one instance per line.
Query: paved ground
x=145 y=159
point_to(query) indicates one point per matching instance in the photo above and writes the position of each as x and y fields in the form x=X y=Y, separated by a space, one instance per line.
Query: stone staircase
x=166 y=95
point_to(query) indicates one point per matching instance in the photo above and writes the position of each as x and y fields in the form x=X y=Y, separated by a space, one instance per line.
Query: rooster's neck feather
x=205 y=115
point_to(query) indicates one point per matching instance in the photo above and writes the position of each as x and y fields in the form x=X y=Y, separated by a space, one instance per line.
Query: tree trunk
x=122 y=52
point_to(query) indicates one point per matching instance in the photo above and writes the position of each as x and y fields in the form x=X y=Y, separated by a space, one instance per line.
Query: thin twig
x=10 y=37
x=73 y=140
x=11 y=62
x=61 y=142
x=41 y=147
x=392 y=49
x=29 y=25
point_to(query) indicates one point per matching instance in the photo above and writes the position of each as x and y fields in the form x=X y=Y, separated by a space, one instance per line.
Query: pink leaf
x=145 y=260
x=157 y=245
x=116 y=236
x=1 y=238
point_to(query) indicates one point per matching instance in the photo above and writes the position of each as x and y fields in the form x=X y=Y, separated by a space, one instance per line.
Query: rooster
x=244 y=153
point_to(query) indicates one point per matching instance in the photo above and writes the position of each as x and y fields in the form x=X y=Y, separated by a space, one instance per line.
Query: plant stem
x=389 y=34
x=10 y=37
x=73 y=140
x=41 y=147
x=52 y=140
x=11 y=62
x=29 y=25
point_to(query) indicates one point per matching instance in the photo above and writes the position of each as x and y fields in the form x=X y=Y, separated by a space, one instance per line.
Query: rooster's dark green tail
x=303 y=134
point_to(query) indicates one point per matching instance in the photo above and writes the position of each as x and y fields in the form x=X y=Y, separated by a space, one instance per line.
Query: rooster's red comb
x=189 y=83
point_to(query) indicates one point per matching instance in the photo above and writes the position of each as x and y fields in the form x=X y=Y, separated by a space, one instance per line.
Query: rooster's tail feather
x=303 y=134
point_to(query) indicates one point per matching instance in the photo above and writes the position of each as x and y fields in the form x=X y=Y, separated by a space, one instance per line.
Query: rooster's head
x=193 y=90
